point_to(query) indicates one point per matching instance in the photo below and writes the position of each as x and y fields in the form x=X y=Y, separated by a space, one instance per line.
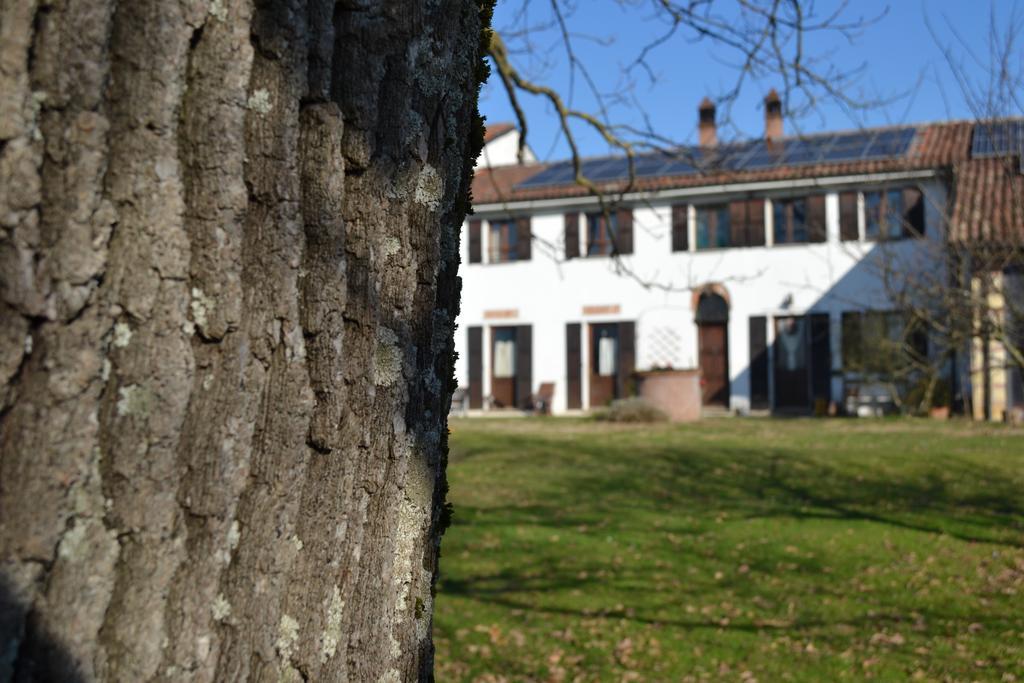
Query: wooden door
x=503 y=370
x=604 y=363
x=791 y=360
x=714 y=363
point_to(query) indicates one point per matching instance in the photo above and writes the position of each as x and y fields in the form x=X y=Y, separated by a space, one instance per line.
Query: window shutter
x=816 y=218
x=755 y=223
x=680 y=228
x=851 y=341
x=624 y=231
x=848 y=229
x=573 y=361
x=759 y=362
x=474 y=241
x=737 y=224
x=524 y=366
x=627 y=358
x=572 y=235
x=913 y=211
x=523 y=238
x=476 y=367
x=821 y=357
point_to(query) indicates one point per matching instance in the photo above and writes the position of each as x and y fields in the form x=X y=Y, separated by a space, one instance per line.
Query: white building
x=747 y=261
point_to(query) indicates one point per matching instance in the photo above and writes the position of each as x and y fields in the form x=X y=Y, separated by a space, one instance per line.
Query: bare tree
x=970 y=299
x=227 y=296
x=759 y=39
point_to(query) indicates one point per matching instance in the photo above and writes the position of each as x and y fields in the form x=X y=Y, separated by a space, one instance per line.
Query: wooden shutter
x=524 y=366
x=624 y=231
x=573 y=363
x=848 y=229
x=474 y=241
x=523 y=238
x=572 y=235
x=476 y=367
x=913 y=211
x=680 y=227
x=821 y=357
x=759 y=362
x=755 y=223
x=816 y=218
x=851 y=341
x=627 y=359
x=737 y=224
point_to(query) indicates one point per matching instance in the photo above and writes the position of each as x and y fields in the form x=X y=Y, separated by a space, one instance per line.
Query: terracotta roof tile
x=988 y=201
x=492 y=185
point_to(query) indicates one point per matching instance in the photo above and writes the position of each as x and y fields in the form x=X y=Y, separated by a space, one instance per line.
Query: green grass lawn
x=733 y=550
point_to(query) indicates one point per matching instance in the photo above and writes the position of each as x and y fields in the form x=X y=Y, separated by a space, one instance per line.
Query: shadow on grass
x=970 y=501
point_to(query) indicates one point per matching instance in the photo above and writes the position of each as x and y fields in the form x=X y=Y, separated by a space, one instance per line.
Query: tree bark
x=228 y=267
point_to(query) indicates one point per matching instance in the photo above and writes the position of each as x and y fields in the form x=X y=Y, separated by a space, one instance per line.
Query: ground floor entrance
x=802 y=368
x=713 y=348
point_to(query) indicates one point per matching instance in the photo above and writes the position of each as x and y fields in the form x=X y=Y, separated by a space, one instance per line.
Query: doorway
x=713 y=348
x=791 y=379
x=503 y=366
x=604 y=363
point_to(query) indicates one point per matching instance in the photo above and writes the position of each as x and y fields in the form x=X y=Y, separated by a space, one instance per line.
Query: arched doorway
x=713 y=347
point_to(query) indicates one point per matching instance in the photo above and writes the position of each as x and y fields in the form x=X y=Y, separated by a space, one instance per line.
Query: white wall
x=503 y=151
x=548 y=292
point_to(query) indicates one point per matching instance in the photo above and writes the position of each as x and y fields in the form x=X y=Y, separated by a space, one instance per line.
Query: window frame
x=508 y=249
x=783 y=203
x=891 y=225
x=720 y=211
x=894 y=326
x=606 y=237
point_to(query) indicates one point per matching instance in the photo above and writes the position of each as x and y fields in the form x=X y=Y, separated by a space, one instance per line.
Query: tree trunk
x=228 y=266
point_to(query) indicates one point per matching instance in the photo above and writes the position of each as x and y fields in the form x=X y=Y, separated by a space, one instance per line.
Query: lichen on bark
x=228 y=261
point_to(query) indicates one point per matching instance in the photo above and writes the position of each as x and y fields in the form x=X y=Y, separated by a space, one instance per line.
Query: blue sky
x=900 y=57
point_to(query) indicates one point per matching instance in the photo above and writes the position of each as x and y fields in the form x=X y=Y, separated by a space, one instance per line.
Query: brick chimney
x=772 y=117
x=707 y=128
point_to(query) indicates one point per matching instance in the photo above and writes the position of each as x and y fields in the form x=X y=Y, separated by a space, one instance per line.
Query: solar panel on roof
x=651 y=164
x=606 y=169
x=800 y=152
x=998 y=138
x=758 y=155
x=888 y=143
x=848 y=147
x=762 y=156
x=558 y=174
x=679 y=167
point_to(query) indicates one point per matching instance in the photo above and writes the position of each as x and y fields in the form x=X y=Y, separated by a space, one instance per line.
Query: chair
x=541 y=401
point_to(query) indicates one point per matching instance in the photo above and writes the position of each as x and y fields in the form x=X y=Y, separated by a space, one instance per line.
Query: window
x=605 y=350
x=503 y=241
x=882 y=215
x=882 y=342
x=601 y=234
x=790 y=217
x=504 y=362
x=737 y=224
x=893 y=214
x=712 y=227
x=799 y=220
